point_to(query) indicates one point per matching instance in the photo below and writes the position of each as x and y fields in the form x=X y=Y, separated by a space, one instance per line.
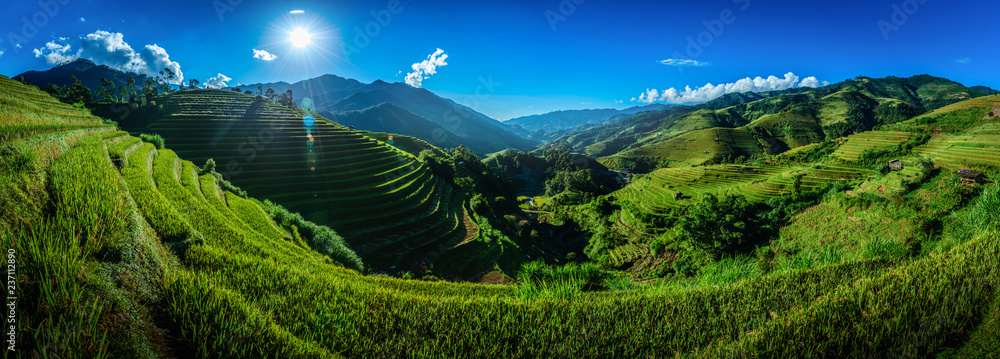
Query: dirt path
x=471 y=233
x=471 y=229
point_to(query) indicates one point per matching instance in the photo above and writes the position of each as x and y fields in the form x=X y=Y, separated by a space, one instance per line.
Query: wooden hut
x=896 y=165
x=678 y=196
x=972 y=177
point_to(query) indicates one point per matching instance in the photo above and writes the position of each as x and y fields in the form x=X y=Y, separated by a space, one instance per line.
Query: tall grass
x=153 y=138
x=985 y=212
x=322 y=239
x=729 y=270
x=59 y=317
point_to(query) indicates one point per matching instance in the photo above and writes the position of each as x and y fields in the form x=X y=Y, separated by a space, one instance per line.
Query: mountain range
x=89 y=74
x=744 y=124
x=558 y=123
x=332 y=95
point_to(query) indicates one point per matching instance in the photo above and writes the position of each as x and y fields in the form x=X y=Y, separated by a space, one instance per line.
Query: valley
x=508 y=179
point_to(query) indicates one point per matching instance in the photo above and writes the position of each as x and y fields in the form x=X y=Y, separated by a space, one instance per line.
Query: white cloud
x=217 y=82
x=685 y=63
x=812 y=81
x=107 y=48
x=263 y=55
x=619 y=101
x=83 y=20
x=964 y=61
x=157 y=58
x=55 y=54
x=426 y=68
x=710 y=92
x=1 y=52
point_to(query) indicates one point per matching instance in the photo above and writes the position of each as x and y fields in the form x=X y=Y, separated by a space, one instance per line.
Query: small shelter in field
x=896 y=165
x=678 y=196
x=972 y=177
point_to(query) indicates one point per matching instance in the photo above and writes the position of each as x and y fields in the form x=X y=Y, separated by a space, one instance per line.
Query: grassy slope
x=243 y=292
x=779 y=123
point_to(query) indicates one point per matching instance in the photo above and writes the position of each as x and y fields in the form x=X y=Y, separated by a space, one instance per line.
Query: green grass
x=99 y=279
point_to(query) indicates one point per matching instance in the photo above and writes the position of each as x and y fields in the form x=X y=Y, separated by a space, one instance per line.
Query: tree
x=122 y=93
x=237 y=89
x=248 y=92
x=131 y=84
x=728 y=225
x=169 y=76
x=79 y=93
x=58 y=92
x=194 y=83
x=270 y=94
x=106 y=91
x=260 y=90
x=149 y=91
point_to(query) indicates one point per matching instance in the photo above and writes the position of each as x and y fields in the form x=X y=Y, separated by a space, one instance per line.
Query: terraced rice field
x=857 y=144
x=627 y=253
x=26 y=111
x=963 y=151
x=383 y=201
x=654 y=193
x=411 y=145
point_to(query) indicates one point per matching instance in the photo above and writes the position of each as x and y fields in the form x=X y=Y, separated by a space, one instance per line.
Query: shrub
x=209 y=165
x=728 y=225
x=154 y=139
x=480 y=205
x=321 y=239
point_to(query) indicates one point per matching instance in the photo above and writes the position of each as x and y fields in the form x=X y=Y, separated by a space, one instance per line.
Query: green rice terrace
x=386 y=204
x=136 y=247
x=853 y=146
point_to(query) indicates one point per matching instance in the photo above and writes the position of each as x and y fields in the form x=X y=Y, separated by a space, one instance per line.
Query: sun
x=300 y=37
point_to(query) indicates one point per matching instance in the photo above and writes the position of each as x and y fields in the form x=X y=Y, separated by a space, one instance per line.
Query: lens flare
x=309 y=120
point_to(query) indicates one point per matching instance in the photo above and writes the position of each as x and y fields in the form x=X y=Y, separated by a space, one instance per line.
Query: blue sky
x=536 y=56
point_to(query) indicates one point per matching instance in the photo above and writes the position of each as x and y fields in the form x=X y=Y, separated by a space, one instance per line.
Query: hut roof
x=969 y=173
